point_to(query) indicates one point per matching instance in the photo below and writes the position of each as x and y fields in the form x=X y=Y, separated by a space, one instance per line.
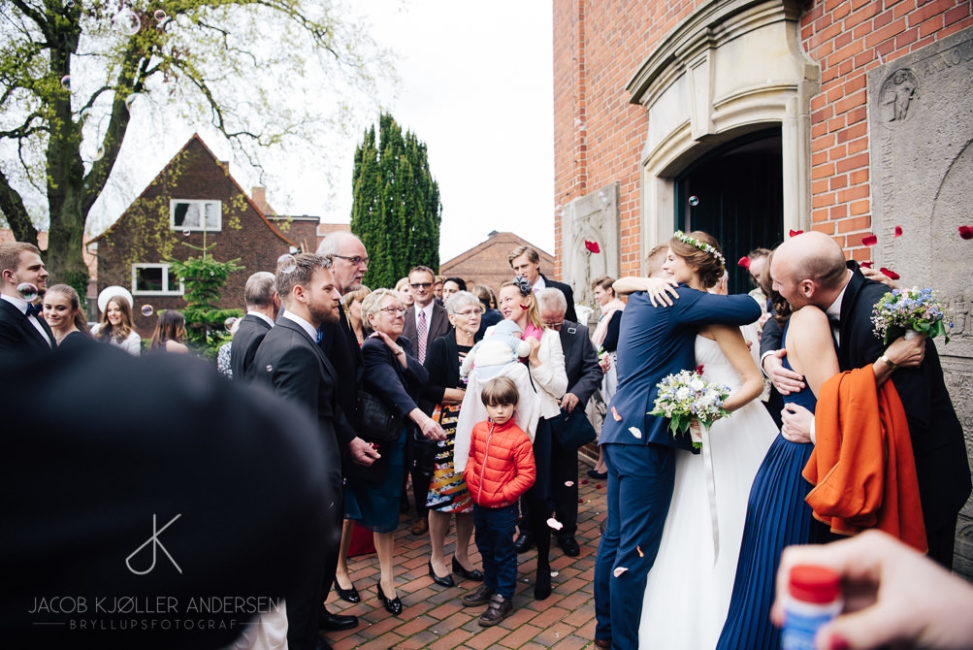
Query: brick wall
x=487 y=262
x=598 y=134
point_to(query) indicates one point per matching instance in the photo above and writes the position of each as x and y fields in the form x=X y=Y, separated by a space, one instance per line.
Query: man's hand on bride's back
x=785 y=380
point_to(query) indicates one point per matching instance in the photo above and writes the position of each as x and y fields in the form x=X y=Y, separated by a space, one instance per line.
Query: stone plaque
x=592 y=218
x=920 y=131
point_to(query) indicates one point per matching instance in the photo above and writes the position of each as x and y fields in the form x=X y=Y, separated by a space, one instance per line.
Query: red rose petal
x=592 y=246
x=867 y=265
x=699 y=369
x=889 y=272
x=744 y=262
x=795 y=233
x=898 y=231
x=584 y=482
x=966 y=232
x=580 y=500
x=618 y=418
x=597 y=486
x=869 y=240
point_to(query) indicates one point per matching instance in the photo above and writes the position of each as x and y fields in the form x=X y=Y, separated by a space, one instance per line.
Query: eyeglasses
x=420 y=285
x=554 y=326
x=355 y=260
x=395 y=311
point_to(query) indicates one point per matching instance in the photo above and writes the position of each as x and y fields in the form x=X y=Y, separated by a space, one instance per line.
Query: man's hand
x=907 y=353
x=784 y=380
x=362 y=452
x=796 y=425
x=569 y=401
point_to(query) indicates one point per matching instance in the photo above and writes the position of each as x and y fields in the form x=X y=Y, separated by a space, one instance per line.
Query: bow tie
x=834 y=320
x=320 y=335
x=34 y=310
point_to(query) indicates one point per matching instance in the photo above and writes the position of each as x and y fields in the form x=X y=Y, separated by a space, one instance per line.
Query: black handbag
x=376 y=422
x=573 y=429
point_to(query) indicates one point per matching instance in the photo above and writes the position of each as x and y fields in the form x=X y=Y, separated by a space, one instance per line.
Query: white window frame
x=202 y=203
x=166 y=289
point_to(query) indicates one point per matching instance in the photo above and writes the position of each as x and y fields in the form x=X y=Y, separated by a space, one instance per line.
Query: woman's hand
x=453 y=395
x=535 y=345
x=432 y=430
x=396 y=349
x=606 y=363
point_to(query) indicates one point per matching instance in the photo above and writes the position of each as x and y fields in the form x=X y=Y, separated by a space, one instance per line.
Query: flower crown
x=703 y=246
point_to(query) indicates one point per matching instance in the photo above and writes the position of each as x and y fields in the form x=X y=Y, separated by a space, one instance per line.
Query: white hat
x=110 y=292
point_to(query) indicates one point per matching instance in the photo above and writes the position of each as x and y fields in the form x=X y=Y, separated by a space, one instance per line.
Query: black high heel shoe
x=393 y=606
x=442 y=582
x=475 y=575
x=351 y=595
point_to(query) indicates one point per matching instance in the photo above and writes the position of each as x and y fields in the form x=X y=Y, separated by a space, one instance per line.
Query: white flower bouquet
x=686 y=396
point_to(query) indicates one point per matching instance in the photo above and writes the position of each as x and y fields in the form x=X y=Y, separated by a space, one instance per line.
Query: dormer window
x=195 y=215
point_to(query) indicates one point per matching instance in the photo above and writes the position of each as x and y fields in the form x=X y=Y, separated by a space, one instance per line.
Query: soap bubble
x=147 y=310
x=27 y=291
x=694 y=201
x=286 y=263
x=160 y=15
x=99 y=154
x=128 y=22
x=69 y=4
x=66 y=82
x=83 y=115
x=186 y=231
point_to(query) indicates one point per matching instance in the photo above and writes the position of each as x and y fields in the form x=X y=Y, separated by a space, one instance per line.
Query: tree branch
x=12 y=207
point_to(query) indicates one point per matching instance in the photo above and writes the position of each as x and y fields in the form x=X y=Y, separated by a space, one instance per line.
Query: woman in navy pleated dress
x=777 y=515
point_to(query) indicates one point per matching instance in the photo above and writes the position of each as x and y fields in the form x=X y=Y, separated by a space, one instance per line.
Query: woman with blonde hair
x=62 y=311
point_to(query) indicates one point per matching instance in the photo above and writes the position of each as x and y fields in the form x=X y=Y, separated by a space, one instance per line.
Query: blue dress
x=777 y=516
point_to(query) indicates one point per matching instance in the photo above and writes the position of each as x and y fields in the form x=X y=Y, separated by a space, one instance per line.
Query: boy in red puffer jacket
x=500 y=469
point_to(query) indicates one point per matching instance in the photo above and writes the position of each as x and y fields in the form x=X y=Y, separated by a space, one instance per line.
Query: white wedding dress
x=686 y=595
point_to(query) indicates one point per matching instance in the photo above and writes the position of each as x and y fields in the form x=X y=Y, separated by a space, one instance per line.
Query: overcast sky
x=475 y=84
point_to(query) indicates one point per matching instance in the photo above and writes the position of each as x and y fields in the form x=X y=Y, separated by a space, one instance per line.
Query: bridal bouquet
x=910 y=311
x=686 y=396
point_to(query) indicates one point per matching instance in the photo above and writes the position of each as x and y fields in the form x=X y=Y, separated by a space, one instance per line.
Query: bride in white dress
x=687 y=594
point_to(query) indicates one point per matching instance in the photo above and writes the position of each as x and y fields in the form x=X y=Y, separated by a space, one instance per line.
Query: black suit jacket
x=442 y=364
x=340 y=346
x=18 y=335
x=580 y=362
x=296 y=368
x=568 y=295
x=937 y=437
x=249 y=334
x=438 y=325
x=167 y=436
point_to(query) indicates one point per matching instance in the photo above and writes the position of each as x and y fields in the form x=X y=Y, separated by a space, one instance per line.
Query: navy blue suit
x=639 y=449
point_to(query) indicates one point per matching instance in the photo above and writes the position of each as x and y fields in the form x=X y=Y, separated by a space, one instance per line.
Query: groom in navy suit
x=639 y=449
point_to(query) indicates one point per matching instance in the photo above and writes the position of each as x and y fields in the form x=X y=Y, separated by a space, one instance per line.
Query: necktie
x=421 y=332
x=320 y=335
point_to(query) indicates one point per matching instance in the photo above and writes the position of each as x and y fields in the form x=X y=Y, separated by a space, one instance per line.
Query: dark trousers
x=564 y=470
x=640 y=482
x=304 y=606
x=536 y=501
x=494 y=537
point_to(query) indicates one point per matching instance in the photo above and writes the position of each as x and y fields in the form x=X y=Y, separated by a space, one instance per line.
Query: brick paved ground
x=433 y=617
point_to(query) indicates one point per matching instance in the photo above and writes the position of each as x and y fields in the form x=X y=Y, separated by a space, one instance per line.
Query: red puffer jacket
x=501 y=464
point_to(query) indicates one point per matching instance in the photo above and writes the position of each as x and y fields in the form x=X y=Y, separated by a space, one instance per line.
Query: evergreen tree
x=396 y=210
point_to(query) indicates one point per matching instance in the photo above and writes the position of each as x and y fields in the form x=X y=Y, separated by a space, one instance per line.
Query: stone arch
x=731 y=68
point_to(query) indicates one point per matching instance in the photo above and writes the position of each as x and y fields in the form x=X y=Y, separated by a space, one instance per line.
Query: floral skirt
x=447 y=490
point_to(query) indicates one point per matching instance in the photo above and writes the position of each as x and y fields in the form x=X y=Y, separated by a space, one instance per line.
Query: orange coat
x=501 y=464
x=862 y=465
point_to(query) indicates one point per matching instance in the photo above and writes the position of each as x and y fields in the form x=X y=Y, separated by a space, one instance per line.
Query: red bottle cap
x=814 y=584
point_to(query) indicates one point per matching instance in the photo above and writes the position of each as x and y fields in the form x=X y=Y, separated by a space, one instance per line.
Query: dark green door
x=735 y=193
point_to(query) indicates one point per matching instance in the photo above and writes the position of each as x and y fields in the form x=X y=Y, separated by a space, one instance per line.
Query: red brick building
x=193 y=200
x=486 y=263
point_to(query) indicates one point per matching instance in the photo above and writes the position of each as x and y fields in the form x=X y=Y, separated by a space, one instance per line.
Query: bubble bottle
x=813 y=598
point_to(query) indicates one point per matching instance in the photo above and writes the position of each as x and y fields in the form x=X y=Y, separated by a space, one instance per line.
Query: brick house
x=193 y=200
x=486 y=263
x=754 y=118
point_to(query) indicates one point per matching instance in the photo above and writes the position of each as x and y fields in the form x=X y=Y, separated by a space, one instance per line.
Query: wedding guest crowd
x=696 y=521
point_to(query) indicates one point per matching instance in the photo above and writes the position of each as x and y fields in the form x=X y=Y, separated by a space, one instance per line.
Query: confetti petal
x=795 y=233
x=966 y=232
x=580 y=500
x=554 y=524
x=869 y=240
x=619 y=571
x=898 y=231
x=889 y=272
x=584 y=482
x=618 y=418
x=568 y=483
x=597 y=486
x=592 y=246
x=744 y=262
x=867 y=265
x=699 y=369
x=639 y=549
x=635 y=431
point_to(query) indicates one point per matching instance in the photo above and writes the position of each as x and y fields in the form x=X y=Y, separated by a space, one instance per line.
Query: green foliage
x=204 y=279
x=396 y=210
x=73 y=72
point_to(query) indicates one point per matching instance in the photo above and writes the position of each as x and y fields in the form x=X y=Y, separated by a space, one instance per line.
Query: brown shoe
x=421 y=527
x=479 y=597
x=499 y=609
x=603 y=643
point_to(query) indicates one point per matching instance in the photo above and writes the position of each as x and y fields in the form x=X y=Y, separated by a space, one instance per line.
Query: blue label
x=799 y=629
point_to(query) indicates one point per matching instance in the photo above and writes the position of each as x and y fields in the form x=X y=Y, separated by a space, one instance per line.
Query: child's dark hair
x=499 y=392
